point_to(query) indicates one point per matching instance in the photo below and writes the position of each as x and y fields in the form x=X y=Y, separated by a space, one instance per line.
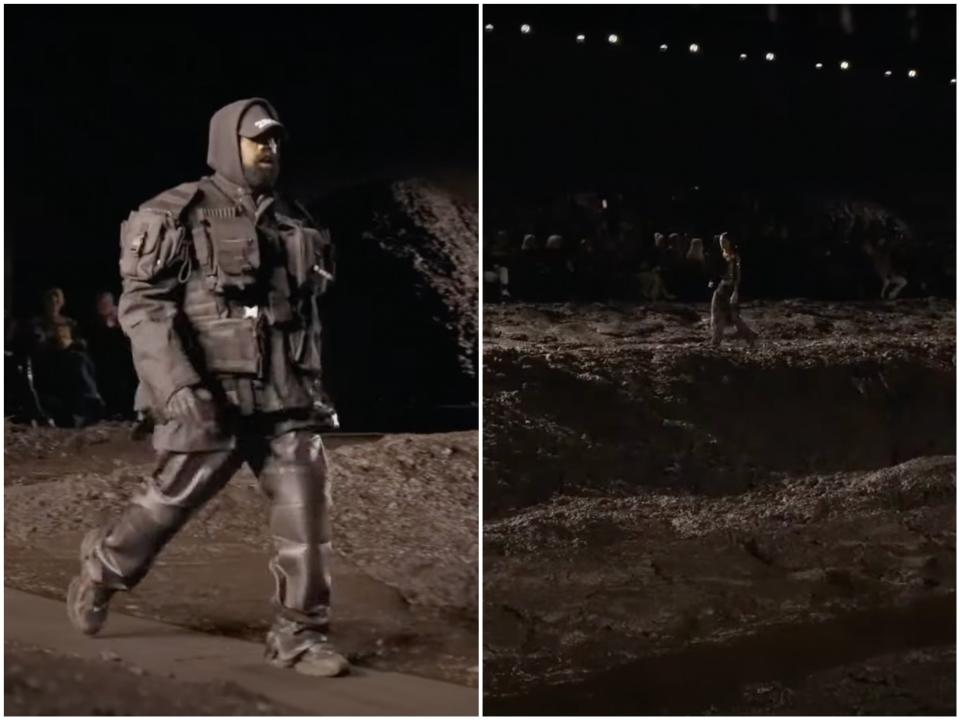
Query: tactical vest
x=235 y=300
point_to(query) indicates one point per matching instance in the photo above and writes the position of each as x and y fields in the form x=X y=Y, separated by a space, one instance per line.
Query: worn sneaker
x=87 y=600
x=305 y=649
x=322 y=660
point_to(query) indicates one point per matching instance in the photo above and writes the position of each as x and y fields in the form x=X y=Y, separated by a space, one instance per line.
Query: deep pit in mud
x=702 y=423
x=656 y=509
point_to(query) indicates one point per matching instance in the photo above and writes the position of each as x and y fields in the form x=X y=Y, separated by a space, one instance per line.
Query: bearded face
x=260 y=157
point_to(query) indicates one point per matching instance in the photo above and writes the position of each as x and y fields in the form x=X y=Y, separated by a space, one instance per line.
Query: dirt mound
x=642 y=406
x=749 y=518
x=415 y=499
x=406 y=276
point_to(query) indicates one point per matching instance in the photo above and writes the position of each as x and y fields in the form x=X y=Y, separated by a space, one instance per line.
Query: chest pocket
x=236 y=252
x=149 y=242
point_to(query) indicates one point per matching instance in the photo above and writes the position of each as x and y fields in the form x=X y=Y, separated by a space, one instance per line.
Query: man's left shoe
x=321 y=660
x=307 y=650
x=88 y=600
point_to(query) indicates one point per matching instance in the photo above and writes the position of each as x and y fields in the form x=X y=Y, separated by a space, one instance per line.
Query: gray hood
x=223 y=150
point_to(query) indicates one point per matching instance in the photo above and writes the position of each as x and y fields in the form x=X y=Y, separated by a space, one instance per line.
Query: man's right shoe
x=87 y=600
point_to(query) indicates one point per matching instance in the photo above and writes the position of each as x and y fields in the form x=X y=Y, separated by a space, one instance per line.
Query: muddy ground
x=39 y=682
x=777 y=523
x=405 y=522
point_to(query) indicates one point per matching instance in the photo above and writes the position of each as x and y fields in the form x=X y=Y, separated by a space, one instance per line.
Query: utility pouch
x=236 y=251
x=230 y=345
x=304 y=344
x=149 y=242
x=306 y=251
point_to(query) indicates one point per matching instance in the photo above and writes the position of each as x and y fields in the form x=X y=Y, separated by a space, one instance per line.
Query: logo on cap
x=265 y=122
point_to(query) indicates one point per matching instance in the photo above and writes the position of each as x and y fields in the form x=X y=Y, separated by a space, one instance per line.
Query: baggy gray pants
x=723 y=313
x=292 y=470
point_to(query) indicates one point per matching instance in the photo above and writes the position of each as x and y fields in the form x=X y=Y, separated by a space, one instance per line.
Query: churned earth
x=673 y=529
x=404 y=574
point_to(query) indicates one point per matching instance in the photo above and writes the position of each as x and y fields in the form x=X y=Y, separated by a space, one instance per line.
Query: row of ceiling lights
x=694 y=49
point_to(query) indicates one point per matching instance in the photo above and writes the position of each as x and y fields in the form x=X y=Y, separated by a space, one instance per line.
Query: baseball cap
x=257 y=121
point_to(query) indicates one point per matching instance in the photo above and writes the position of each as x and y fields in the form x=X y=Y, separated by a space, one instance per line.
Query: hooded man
x=221 y=279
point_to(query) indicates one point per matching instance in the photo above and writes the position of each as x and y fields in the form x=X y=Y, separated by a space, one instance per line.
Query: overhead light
x=581 y=38
x=613 y=39
x=663 y=47
x=844 y=65
x=888 y=73
x=819 y=66
x=694 y=48
x=525 y=29
x=911 y=73
x=743 y=56
x=488 y=27
x=953 y=81
x=769 y=57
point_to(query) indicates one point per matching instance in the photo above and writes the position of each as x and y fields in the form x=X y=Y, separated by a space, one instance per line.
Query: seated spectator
x=66 y=381
x=113 y=359
x=44 y=327
x=558 y=269
x=20 y=402
x=651 y=285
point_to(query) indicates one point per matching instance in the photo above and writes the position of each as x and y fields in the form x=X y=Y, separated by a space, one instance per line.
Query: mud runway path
x=404 y=574
x=124 y=668
x=777 y=523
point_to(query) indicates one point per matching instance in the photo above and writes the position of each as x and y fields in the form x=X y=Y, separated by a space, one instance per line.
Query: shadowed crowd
x=67 y=373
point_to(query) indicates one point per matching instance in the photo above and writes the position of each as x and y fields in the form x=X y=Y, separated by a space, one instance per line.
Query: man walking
x=221 y=280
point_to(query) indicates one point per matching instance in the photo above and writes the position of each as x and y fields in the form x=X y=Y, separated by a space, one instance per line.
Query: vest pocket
x=236 y=252
x=230 y=345
x=147 y=244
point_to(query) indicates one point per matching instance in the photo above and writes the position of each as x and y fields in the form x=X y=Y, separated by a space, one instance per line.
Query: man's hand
x=189 y=404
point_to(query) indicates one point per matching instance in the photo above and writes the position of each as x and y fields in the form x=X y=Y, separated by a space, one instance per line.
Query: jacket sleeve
x=150 y=304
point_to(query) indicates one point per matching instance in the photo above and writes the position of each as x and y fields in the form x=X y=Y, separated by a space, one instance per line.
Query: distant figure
x=497 y=276
x=558 y=269
x=882 y=256
x=44 y=327
x=20 y=401
x=653 y=286
x=724 y=309
x=555 y=242
x=113 y=359
x=66 y=381
x=695 y=253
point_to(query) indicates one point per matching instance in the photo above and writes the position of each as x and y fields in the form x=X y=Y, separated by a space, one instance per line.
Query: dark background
x=108 y=106
x=560 y=116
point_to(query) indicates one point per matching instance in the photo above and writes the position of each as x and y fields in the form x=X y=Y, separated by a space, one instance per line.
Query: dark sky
x=107 y=106
x=561 y=116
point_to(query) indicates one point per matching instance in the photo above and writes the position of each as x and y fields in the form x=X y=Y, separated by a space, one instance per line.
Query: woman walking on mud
x=724 y=308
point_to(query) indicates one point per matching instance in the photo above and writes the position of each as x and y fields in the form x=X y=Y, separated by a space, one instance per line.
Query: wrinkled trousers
x=292 y=470
x=724 y=313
